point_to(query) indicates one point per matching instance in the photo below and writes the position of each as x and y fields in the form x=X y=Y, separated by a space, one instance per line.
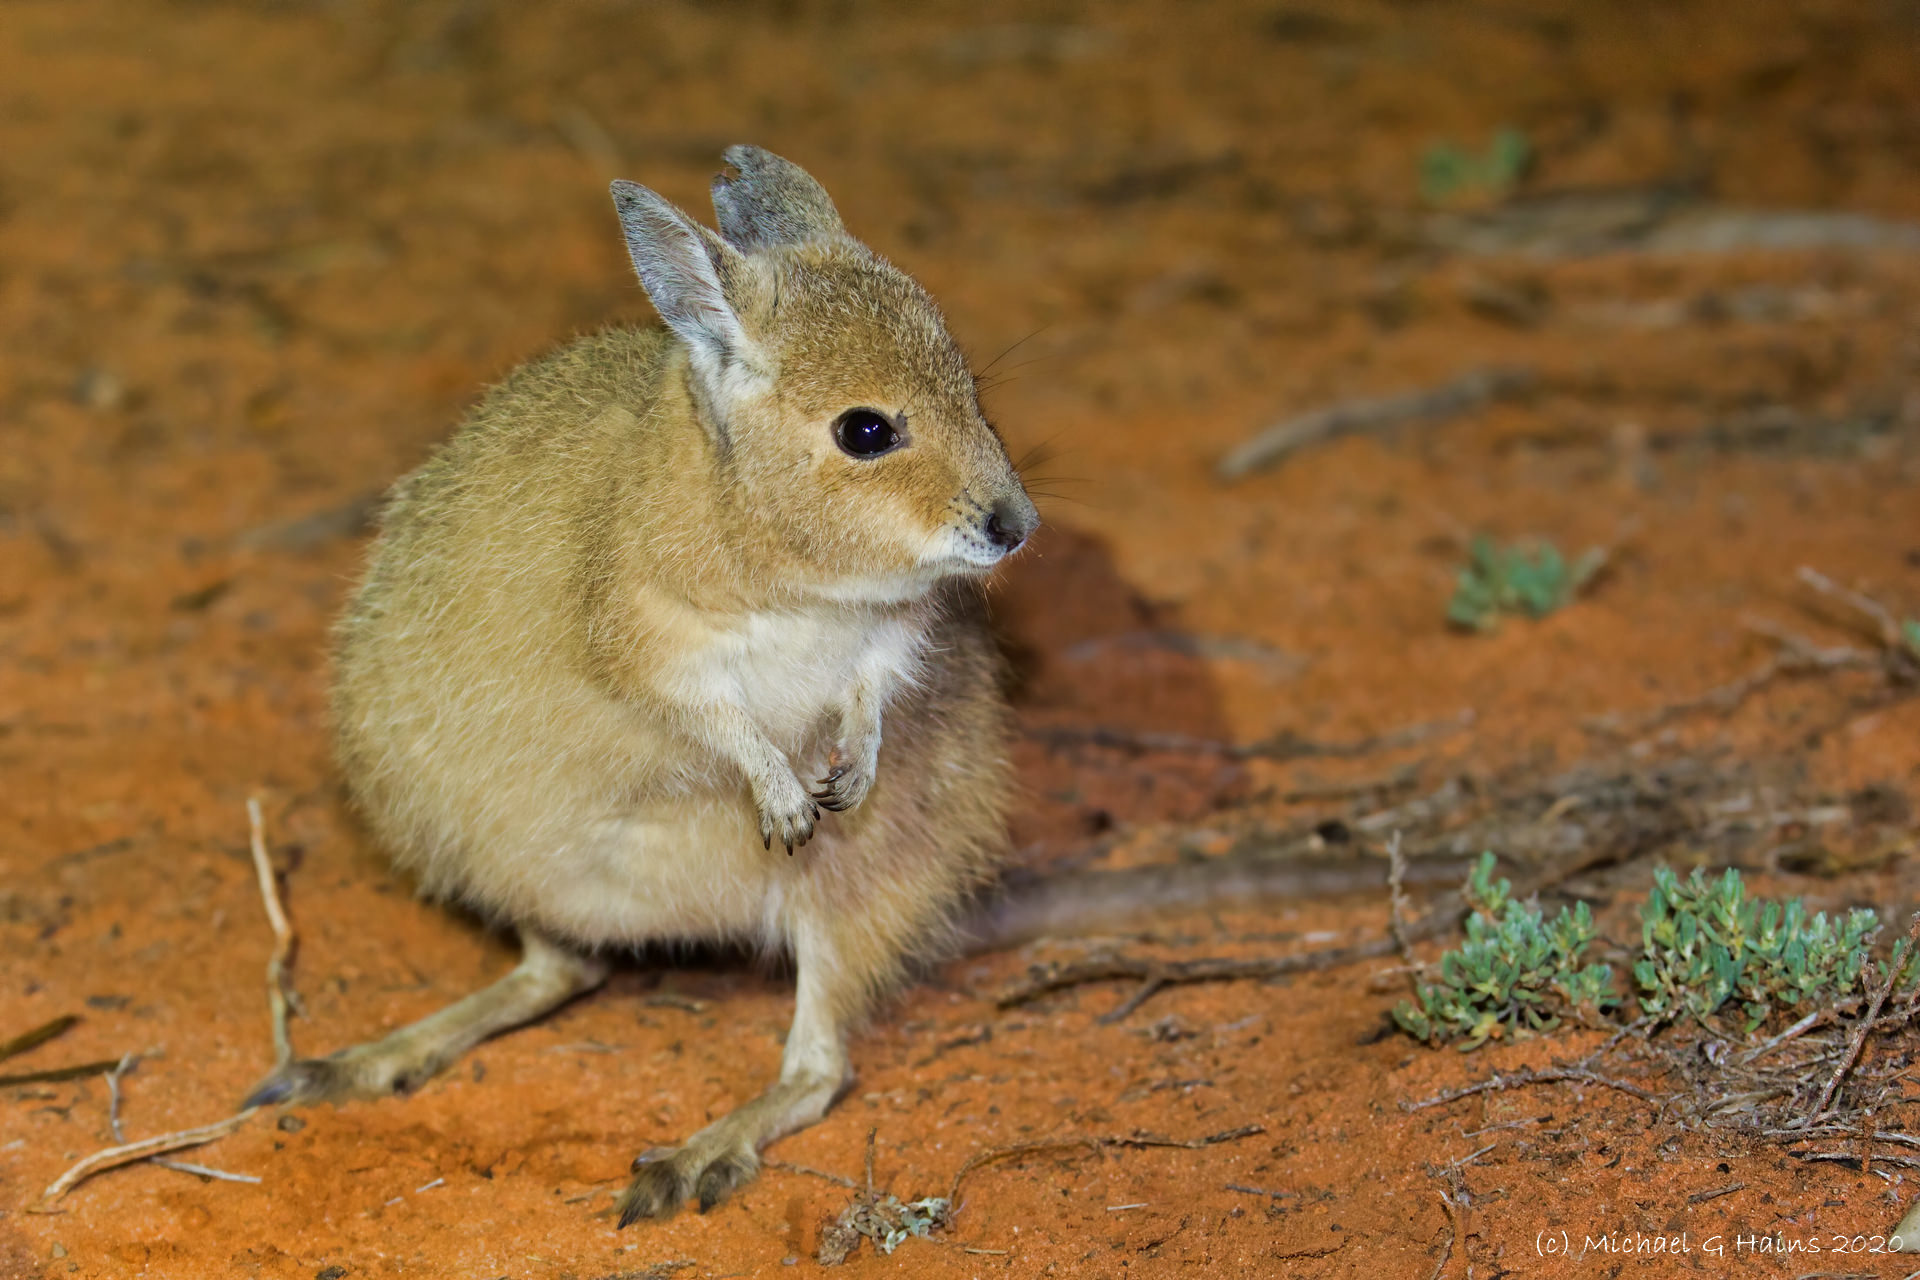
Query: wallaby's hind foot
x=725 y=1155
x=814 y=1070
x=547 y=976
x=664 y=1177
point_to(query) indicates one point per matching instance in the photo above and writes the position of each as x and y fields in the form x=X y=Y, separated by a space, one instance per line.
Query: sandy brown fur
x=616 y=627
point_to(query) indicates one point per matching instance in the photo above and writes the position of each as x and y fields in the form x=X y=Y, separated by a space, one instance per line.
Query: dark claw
x=720 y=1178
x=766 y=840
x=278 y=1089
x=655 y=1192
x=652 y=1155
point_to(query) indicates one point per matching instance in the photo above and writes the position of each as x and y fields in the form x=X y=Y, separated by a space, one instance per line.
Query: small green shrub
x=1448 y=171
x=1516 y=973
x=1910 y=632
x=1705 y=943
x=1531 y=581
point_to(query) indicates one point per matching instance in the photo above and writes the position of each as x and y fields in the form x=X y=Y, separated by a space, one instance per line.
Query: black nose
x=1009 y=523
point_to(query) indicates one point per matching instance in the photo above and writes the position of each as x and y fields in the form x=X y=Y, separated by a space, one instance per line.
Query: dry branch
x=127 y=1153
x=1525 y=1077
x=1466 y=393
x=277 y=993
x=54 y=1075
x=38 y=1036
x=1094 y=1144
x=114 y=1157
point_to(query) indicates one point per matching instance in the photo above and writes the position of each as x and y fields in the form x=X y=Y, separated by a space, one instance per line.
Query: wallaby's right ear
x=770 y=202
x=685 y=269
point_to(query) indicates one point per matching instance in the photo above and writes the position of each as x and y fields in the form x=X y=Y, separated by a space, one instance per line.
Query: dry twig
x=54 y=1075
x=277 y=991
x=1399 y=908
x=1464 y=394
x=1453 y=1232
x=1886 y=627
x=38 y=1036
x=127 y=1153
x=1095 y=1144
x=1525 y=1077
x=114 y=1157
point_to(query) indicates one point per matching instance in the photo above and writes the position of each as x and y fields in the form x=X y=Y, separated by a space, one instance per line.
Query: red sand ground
x=254 y=259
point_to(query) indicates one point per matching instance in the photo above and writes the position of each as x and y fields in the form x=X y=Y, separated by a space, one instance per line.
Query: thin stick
x=119 y=1135
x=786 y=1166
x=282 y=935
x=53 y=1075
x=204 y=1171
x=1453 y=1232
x=1094 y=1144
x=1528 y=1076
x=114 y=1157
x=120 y=1068
x=126 y=1153
x=1399 y=910
x=38 y=1036
x=1466 y=393
x=1884 y=622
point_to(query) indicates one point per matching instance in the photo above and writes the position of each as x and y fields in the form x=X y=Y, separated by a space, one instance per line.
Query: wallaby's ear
x=771 y=202
x=685 y=269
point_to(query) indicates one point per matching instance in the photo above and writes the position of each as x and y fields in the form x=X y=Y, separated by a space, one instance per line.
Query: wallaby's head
x=844 y=419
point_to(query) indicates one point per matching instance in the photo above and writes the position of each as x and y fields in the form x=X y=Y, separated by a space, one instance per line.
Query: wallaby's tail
x=1026 y=906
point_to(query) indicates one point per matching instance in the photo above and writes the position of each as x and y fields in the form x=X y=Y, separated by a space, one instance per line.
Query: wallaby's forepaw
x=665 y=1177
x=849 y=777
x=361 y=1072
x=788 y=816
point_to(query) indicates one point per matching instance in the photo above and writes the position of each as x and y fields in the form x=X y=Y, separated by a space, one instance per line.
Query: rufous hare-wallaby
x=659 y=580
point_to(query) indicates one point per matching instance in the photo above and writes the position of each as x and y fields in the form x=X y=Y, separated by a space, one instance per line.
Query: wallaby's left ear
x=769 y=202
x=686 y=270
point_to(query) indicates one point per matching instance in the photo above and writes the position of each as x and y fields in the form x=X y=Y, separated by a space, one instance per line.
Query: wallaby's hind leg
x=547 y=976
x=813 y=1071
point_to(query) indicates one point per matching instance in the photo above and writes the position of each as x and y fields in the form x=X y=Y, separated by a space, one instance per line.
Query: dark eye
x=865 y=433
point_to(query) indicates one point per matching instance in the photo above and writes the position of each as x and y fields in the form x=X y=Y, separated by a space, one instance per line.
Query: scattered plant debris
x=884 y=1219
x=1528 y=580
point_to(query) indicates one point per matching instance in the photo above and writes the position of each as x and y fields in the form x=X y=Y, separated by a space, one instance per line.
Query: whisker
x=1010 y=350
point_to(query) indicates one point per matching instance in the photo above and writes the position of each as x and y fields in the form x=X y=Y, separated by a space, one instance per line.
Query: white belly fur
x=691 y=865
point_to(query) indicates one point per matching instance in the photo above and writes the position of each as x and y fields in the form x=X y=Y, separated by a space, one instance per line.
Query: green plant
x=1531 y=581
x=1447 y=171
x=1910 y=632
x=1515 y=974
x=1705 y=943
